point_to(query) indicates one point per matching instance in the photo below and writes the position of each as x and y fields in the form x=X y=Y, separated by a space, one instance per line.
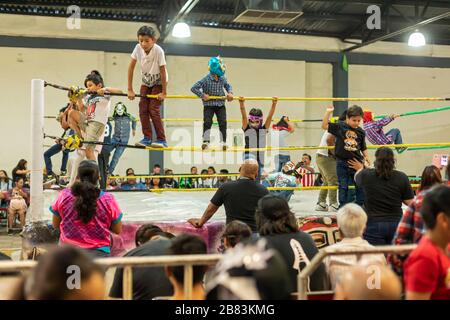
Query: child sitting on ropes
x=89 y=120
x=375 y=133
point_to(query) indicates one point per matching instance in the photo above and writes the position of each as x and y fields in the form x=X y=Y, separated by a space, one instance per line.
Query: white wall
x=379 y=81
x=251 y=77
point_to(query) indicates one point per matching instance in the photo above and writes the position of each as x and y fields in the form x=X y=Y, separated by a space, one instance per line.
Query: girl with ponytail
x=85 y=215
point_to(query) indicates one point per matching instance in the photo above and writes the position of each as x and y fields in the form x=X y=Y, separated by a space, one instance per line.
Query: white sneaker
x=321 y=207
x=333 y=207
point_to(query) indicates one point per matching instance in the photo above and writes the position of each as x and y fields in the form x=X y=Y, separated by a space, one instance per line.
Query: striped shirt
x=212 y=87
x=308 y=177
x=375 y=133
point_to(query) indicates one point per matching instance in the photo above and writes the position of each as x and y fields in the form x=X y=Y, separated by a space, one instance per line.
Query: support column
x=340 y=87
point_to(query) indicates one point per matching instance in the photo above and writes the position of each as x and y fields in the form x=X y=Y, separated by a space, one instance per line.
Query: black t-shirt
x=297 y=250
x=350 y=142
x=16 y=176
x=255 y=138
x=148 y=282
x=383 y=198
x=240 y=198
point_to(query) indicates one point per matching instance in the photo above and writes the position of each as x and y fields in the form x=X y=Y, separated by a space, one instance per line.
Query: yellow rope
x=306 y=99
x=292 y=148
x=179 y=176
x=270 y=188
x=228 y=120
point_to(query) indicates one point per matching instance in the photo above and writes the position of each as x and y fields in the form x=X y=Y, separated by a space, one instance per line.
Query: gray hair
x=351 y=220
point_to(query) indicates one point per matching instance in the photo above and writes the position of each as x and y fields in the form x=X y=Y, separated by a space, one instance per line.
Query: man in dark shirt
x=239 y=197
x=148 y=282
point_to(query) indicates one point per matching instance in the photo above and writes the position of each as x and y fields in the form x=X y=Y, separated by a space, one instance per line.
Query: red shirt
x=428 y=270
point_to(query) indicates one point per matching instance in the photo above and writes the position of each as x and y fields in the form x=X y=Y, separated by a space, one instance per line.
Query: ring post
x=37 y=130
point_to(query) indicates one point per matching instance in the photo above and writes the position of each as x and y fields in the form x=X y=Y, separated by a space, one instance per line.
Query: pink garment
x=96 y=233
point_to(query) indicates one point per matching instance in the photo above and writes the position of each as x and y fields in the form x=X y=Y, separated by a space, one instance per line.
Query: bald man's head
x=249 y=169
x=374 y=282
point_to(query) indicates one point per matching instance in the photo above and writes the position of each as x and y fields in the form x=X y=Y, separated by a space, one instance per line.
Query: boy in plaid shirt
x=375 y=133
x=213 y=85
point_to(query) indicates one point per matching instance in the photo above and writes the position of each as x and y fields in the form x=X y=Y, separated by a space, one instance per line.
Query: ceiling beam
x=399 y=32
x=358 y=18
x=443 y=4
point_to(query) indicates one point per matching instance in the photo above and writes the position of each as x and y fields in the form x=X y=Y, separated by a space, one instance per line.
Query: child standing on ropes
x=213 y=85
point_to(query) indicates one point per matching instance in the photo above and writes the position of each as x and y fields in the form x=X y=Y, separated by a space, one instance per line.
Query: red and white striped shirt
x=307 y=179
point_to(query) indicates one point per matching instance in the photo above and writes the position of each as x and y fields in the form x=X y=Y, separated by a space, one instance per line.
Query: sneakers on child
x=205 y=145
x=333 y=207
x=144 y=142
x=63 y=173
x=321 y=206
x=50 y=177
x=159 y=144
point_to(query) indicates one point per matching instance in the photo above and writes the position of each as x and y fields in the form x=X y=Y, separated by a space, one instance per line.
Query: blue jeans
x=280 y=161
x=117 y=153
x=346 y=178
x=55 y=149
x=396 y=136
x=380 y=233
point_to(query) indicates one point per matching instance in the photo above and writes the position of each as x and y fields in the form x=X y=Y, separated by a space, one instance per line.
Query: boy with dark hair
x=223 y=180
x=150 y=241
x=350 y=145
x=154 y=82
x=427 y=270
x=187 y=244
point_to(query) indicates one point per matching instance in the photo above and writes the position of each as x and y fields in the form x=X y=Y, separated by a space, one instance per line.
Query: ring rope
x=269 y=188
x=293 y=120
x=269 y=98
x=240 y=149
x=180 y=176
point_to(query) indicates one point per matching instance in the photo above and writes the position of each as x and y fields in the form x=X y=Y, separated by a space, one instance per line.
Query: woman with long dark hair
x=21 y=171
x=5 y=187
x=278 y=225
x=385 y=189
x=86 y=215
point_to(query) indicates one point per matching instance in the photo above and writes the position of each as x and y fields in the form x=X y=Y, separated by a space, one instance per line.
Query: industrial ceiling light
x=181 y=30
x=416 y=39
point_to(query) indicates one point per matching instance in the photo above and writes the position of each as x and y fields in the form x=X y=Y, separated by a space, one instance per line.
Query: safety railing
x=128 y=263
x=302 y=279
x=188 y=261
